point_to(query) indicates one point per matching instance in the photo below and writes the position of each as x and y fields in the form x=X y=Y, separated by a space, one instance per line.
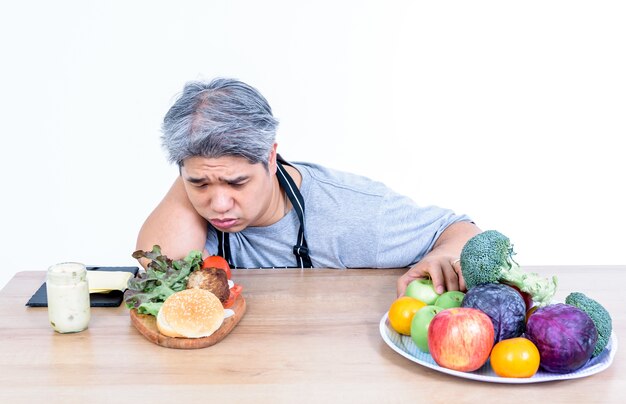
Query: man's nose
x=221 y=202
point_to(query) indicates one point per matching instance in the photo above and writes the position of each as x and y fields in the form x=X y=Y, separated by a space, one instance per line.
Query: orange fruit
x=401 y=313
x=515 y=357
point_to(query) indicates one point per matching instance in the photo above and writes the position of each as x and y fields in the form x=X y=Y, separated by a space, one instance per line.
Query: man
x=237 y=198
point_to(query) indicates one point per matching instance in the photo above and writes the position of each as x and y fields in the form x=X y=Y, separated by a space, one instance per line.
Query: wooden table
x=307 y=336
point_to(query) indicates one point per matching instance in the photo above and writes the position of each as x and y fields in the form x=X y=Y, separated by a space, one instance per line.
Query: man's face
x=230 y=192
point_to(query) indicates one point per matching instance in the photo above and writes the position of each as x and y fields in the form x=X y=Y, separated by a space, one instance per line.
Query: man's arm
x=174 y=225
x=441 y=263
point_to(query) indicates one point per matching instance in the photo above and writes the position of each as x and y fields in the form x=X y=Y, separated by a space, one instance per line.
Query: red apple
x=460 y=338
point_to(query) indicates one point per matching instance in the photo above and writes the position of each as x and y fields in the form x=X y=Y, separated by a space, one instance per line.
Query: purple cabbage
x=504 y=306
x=565 y=336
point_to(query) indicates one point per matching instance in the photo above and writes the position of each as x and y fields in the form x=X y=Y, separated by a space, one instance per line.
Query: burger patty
x=211 y=279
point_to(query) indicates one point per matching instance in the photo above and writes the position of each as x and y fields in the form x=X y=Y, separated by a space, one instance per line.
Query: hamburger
x=190 y=313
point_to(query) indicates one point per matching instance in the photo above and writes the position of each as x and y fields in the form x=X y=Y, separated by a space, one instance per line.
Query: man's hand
x=442 y=263
x=445 y=272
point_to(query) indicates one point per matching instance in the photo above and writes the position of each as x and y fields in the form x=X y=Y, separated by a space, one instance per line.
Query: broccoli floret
x=600 y=316
x=488 y=258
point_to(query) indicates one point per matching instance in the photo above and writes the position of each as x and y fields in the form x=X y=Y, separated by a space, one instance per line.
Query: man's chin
x=228 y=226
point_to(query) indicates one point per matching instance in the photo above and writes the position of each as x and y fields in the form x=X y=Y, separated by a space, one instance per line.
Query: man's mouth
x=223 y=224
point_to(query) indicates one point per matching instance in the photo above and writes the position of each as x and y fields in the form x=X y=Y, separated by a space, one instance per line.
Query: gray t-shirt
x=350 y=222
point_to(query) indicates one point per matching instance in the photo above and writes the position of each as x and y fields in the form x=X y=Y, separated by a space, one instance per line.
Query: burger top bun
x=190 y=313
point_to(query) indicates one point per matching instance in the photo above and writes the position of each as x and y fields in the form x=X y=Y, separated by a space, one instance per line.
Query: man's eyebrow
x=236 y=179
x=204 y=180
x=194 y=180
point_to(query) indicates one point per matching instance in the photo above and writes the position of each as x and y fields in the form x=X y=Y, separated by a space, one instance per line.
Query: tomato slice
x=235 y=291
x=215 y=261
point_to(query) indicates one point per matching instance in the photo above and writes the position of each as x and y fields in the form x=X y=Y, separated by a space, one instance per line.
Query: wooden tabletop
x=307 y=336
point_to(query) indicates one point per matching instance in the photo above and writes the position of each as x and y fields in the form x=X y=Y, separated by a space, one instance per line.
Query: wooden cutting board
x=146 y=325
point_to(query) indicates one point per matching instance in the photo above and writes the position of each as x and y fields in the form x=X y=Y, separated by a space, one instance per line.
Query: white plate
x=404 y=345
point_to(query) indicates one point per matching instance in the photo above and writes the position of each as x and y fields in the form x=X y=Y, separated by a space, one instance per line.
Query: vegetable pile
x=530 y=331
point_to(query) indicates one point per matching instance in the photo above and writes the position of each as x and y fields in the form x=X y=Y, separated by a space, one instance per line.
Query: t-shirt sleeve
x=408 y=231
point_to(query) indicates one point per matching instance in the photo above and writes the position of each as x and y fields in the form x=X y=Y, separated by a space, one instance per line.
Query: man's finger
x=438 y=281
x=457 y=268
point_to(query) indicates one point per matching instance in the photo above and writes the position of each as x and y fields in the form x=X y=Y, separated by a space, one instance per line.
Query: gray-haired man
x=236 y=197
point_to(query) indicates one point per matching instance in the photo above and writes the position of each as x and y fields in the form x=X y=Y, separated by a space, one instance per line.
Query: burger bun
x=190 y=313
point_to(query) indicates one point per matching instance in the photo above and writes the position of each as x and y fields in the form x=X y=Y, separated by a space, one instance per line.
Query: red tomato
x=234 y=292
x=215 y=261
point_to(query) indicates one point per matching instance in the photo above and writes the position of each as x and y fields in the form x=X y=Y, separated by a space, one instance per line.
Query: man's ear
x=271 y=161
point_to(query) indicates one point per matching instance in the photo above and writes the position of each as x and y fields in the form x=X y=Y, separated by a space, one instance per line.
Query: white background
x=509 y=112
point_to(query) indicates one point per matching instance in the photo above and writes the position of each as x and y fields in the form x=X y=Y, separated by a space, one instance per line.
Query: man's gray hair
x=223 y=117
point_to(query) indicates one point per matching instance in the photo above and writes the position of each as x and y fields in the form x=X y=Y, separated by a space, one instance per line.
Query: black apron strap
x=300 y=250
x=223 y=247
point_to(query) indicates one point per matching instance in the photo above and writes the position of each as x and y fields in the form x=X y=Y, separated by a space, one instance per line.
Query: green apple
x=422 y=289
x=450 y=299
x=419 y=325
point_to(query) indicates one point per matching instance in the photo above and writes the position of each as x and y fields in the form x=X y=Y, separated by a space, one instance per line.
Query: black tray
x=111 y=299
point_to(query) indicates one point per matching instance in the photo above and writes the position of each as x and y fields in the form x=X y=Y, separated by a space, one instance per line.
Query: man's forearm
x=454 y=237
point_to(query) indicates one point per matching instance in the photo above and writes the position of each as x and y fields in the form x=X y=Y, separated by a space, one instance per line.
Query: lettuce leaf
x=162 y=278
